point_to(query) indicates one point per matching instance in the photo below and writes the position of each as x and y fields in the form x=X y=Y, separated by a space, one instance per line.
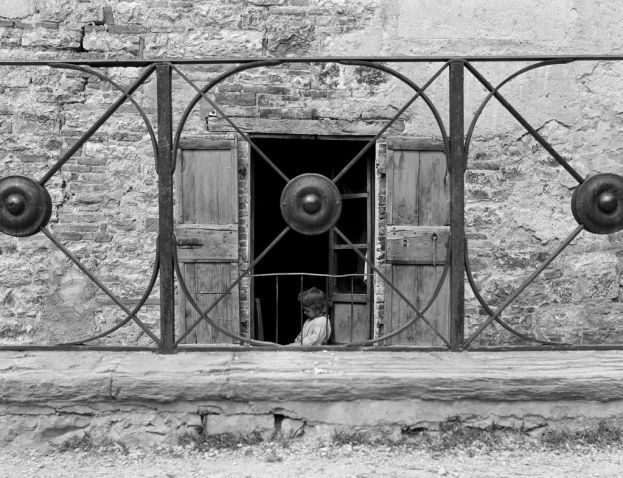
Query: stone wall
x=105 y=210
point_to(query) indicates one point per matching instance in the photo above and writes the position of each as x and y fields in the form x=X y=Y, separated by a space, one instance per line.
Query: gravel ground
x=343 y=460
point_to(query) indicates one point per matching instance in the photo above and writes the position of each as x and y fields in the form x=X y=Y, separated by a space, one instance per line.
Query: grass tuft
x=453 y=434
x=603 y=435
x=342 y=437
x=86 y=443
x=224 y=441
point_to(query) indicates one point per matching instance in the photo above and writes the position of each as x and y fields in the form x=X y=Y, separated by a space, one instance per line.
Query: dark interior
x=281 y=312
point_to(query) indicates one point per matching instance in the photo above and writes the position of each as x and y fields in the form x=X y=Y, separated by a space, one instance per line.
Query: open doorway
x=278 y=277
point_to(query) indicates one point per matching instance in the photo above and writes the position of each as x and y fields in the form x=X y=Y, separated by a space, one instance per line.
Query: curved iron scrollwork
x=25 y=206
x=309 y=213
x=596 y=203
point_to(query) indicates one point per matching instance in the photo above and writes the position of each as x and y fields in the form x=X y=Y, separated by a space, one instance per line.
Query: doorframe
x=372 y=203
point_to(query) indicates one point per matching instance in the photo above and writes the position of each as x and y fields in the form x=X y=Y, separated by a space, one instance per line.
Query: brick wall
x=105 y=210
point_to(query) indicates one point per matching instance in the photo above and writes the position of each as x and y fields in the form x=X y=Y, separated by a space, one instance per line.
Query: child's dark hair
x=315 y=299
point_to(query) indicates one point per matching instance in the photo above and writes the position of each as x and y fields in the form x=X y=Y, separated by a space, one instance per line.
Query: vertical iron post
x=456 y=165
x=165 y=208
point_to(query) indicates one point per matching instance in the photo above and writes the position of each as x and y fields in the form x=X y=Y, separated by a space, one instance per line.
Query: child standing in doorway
x=316 y=329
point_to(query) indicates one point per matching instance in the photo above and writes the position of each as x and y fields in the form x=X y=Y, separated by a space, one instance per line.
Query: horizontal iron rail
x=76 y=348
x=308 y=274
x=332 y=348
x=314 y=59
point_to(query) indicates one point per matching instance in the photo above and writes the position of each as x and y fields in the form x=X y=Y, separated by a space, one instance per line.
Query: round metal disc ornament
x=597 y=203
x=311 y=204
x=25 y=206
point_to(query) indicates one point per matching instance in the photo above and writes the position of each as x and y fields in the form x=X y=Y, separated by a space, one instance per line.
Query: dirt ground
x=343 y=460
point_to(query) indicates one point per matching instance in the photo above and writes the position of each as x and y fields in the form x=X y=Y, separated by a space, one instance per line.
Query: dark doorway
x=277 y=283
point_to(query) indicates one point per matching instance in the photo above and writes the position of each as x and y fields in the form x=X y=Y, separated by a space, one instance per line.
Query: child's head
x=314 y=302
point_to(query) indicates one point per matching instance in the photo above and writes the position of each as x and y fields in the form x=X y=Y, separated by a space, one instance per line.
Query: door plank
x=216 y=202
x=189 y=313
x=433 y=190
x=405 y=279
x=402 y=207
x=212 y=277
x=187 y=186
x=438 y=313
x=222 y=314
x=350 y=328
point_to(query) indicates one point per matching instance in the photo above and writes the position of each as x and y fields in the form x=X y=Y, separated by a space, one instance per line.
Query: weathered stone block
x=62 y=38
x=105 y=42
x=240 y=424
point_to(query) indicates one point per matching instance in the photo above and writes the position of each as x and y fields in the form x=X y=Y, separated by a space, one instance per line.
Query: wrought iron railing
x=26 y=207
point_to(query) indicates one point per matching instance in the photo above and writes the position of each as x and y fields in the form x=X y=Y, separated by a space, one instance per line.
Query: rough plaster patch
x=16 y=8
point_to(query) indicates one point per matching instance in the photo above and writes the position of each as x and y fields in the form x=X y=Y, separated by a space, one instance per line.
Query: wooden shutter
x=207 y=234
x=418 y=210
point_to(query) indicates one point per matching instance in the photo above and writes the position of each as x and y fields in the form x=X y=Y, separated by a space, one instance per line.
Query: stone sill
x=247 y=375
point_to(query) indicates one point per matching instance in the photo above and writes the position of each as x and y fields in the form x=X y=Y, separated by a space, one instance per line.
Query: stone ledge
x=142 y=396
x=247 y=375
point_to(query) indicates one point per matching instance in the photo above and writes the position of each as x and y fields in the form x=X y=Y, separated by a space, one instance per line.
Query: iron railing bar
x=141 y=302
x=533 y=132
x=419 y=315
x=310 y=274
x=165 y=208
x=456 y=164
x=307 y=348
x=80 y=348
x=232 y=124
x=97 y=282
x=301 y=309
x=330 y=310
x=203 y=315
x=189 y=348
x=315 y=59
x=489 y=310
x=497 y=88
x=419 y=92
x=102 y=119
x=352 y=305
x=525 y=284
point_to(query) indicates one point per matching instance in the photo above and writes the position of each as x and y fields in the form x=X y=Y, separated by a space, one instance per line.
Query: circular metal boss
x=25 y=206
x=597 y=203
x=311 y=204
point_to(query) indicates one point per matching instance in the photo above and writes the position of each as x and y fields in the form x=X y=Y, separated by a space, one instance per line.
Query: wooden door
x=206 y=184
x=418 y=218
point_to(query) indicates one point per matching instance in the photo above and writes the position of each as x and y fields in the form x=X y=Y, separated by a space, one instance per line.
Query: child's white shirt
x=315 y=331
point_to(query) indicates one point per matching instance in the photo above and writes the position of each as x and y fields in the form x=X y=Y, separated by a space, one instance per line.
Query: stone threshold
x=138 y=397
